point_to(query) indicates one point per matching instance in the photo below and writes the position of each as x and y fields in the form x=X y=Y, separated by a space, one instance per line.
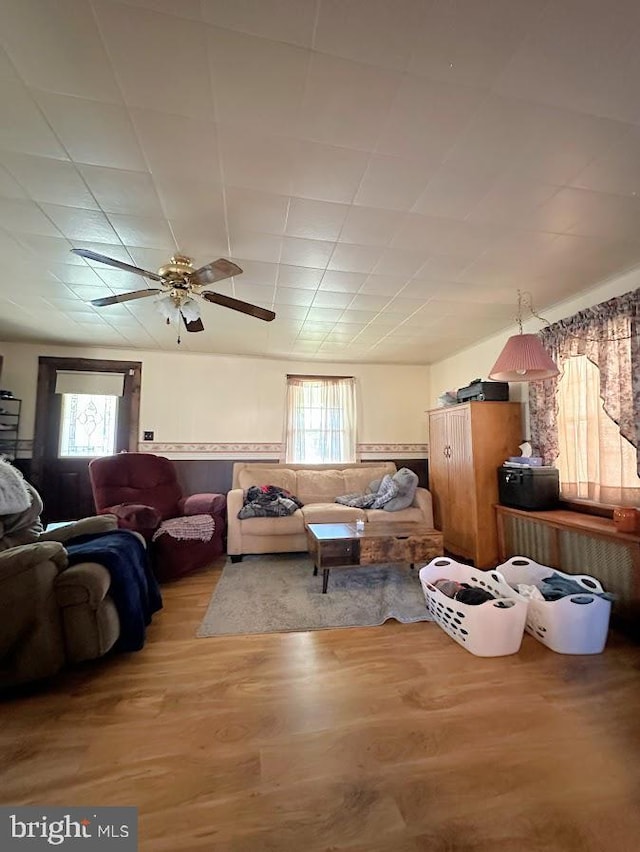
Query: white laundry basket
x=575 y=624
x=491 y=629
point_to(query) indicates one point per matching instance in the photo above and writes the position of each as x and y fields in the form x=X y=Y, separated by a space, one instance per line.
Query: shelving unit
x=9 y=426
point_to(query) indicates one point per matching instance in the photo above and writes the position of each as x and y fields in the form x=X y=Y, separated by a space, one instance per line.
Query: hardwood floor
x=386 y=738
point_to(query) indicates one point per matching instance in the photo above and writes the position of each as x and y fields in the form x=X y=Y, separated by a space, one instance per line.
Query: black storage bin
x=493 y=391
x=529 y=487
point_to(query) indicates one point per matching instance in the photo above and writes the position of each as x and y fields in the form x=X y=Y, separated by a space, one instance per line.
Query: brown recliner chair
x=142 y=490
x=52 y=614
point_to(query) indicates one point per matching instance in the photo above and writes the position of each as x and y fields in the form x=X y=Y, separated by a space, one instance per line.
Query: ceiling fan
x=179 y=284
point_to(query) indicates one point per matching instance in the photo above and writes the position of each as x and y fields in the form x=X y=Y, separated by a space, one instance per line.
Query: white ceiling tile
x=9 y=186
x=255 y=246
x=511 y=200
x=342 y=282
x=469 y=42
x=452 y=195
x=119 y=191
x=373 y=31
x=367 y=302
x=50 y=249
x=182 y=8
x=291 y=312
x=257 y=83
x=331 y=299
x=256 y=211
x=57 y=47
x=383 y=285
x=393 y=182
x=353 y=316
x=617 y=170
x=46 y=179
x=327 y=173
x=28 y=131
x=25 y=217
x=289 y=21
x=319 y=315
x=498 y=131
x=562 y=143
x=74 y=275
x=93 y=132
x=204 y=236
x=163 y=136
x=345 y=103
x=301 y=277
x=187 y=197
x=404 y=262
x=370 y=226
x=426 y=118
x=257 y=272
x=77 y=224
x=581 y=57
x=313 y=253
x=257 y=160
x=349 y=258
x=291 y=296
x=161 y=61
x=143 y=231
x=254 y=294
x=319 y=220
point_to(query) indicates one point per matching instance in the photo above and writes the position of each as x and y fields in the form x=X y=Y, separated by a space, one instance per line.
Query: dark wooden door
x=63 y=482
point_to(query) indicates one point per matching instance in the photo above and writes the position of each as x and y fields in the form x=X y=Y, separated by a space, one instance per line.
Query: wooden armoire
x=467 y=444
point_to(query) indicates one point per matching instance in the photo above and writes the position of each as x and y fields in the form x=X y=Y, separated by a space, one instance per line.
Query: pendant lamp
x=524 y=358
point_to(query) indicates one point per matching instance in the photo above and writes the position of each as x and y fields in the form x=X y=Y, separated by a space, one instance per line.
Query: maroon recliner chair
x=143 y=492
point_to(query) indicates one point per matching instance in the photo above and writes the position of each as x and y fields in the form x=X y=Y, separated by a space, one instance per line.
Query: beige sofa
x=316 y=486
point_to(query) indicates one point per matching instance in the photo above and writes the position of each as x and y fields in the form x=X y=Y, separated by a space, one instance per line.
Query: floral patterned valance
x=609 y=335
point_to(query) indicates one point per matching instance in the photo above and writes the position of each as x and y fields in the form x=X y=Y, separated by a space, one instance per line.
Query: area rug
x=278 y=593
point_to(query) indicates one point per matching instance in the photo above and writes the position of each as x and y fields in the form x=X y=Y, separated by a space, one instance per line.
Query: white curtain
x=320 y=420
x=595 y=462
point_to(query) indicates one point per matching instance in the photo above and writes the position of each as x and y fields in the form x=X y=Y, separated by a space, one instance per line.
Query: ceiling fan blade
x=193 y=325
x=237 y=305
x=123 y=297
x=217 y=270
x=110 y=261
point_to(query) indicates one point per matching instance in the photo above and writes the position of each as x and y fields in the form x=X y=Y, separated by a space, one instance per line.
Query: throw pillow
x=407 y=482
x=387 y=491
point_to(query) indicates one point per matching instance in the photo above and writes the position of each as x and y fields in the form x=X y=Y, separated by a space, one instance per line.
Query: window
x=320 y=419
x=587 y=421
x=595 y=462
x=88 y=425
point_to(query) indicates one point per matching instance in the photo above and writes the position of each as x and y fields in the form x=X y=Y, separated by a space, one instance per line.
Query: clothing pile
x=554 y=587
x=268 y=501
x=465 y=592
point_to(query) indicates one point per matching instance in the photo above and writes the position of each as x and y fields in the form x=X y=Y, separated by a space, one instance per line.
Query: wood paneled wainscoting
x=195 y=476
x=382 y=739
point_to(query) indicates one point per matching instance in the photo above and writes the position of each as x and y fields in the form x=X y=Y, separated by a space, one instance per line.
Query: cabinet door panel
x=461 y=525
x=438 y=467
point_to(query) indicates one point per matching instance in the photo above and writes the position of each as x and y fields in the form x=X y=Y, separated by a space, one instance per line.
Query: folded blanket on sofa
x=376 y=496
x=268 y=501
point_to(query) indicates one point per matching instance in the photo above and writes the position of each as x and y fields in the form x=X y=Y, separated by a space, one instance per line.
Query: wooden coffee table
x=379 y=543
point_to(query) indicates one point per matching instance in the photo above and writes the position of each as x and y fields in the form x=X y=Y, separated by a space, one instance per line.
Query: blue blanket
x=134 y=589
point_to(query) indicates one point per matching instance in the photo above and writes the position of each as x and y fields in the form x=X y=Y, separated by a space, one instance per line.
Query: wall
x=476 y=361
x=231 y=407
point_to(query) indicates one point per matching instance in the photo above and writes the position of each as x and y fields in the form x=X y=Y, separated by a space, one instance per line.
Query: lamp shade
x=523 y=359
